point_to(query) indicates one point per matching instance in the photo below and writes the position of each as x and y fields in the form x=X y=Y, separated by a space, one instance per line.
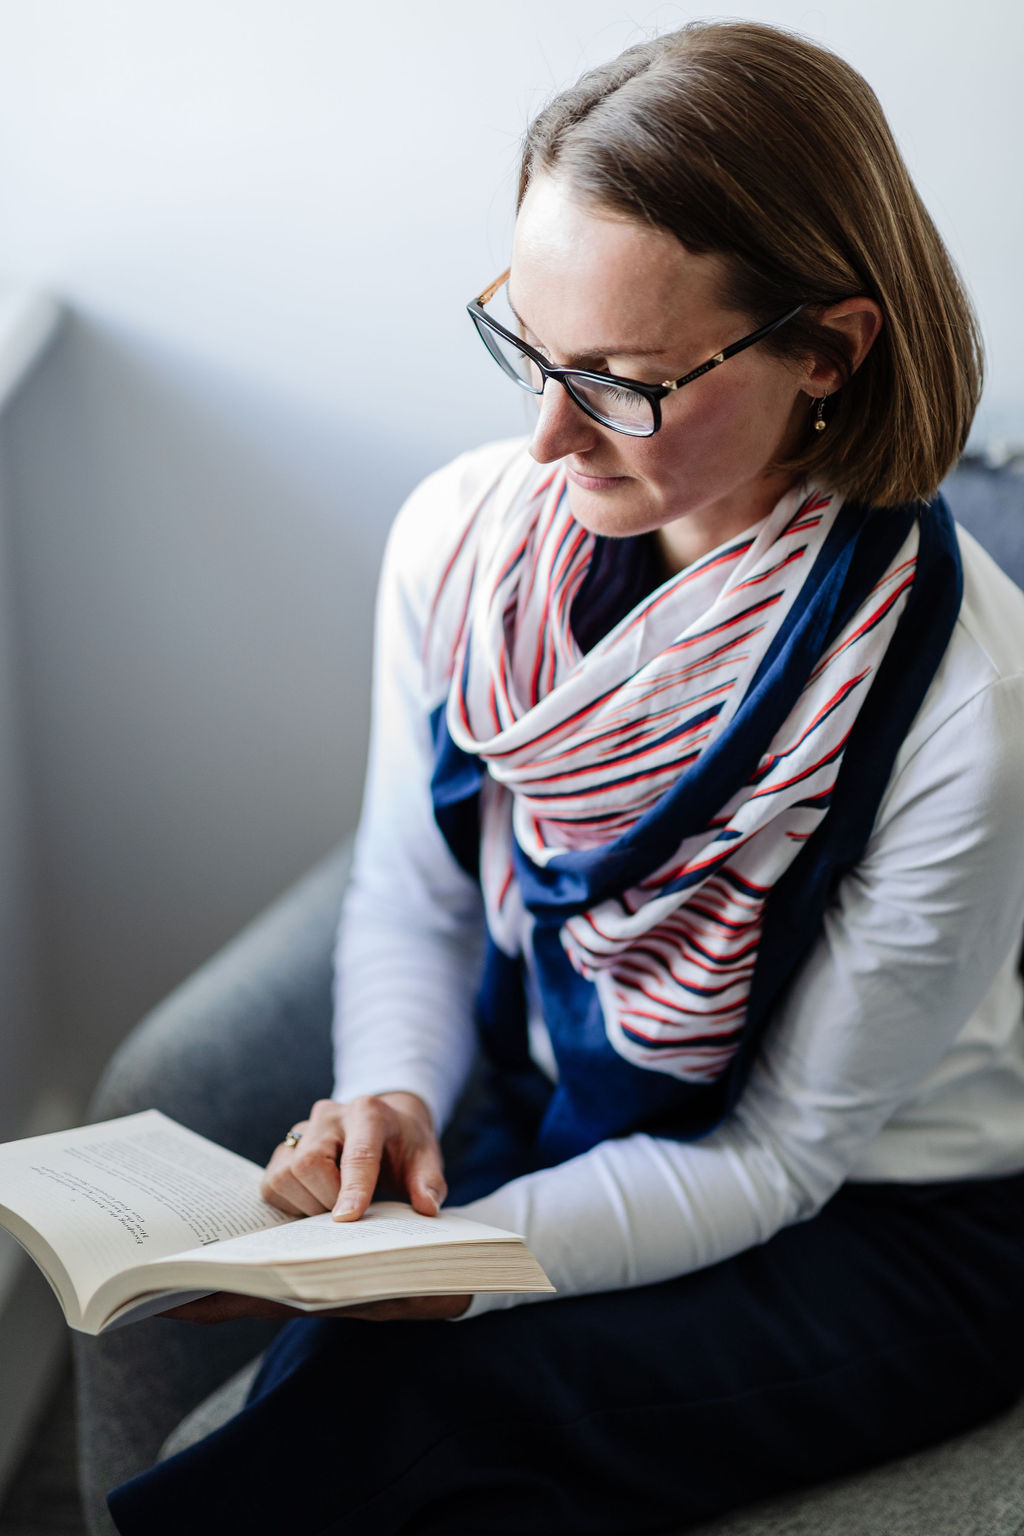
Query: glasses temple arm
x=490 y=291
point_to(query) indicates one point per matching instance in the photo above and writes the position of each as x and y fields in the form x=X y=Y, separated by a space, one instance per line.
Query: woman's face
x=603 y=293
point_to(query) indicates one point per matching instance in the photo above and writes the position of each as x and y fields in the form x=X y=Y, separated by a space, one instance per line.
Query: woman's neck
x=695 y=535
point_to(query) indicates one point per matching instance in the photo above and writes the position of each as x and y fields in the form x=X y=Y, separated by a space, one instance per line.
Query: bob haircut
x=759 y=145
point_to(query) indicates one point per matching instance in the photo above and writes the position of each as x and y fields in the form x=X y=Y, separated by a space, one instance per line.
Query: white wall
x=19 y=1006
x=27 y=326
x=248 y=205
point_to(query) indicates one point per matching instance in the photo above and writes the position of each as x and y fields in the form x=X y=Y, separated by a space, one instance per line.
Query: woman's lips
x=593 y=482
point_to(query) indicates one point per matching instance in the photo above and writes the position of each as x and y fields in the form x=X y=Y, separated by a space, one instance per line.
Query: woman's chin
x=612 y=512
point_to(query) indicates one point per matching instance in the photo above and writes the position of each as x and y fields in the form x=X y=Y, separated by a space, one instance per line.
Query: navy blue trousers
x=887 y=1322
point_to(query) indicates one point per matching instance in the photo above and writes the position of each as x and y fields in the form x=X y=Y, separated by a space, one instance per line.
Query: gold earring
x=819 y=420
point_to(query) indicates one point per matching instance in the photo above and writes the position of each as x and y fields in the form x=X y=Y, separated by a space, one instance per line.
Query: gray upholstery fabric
x=990 y=503
x=212 y=1412
x=241 y=1050
x=971 y=1486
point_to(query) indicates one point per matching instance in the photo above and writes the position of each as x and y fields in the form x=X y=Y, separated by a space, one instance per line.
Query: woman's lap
x=888 y=1321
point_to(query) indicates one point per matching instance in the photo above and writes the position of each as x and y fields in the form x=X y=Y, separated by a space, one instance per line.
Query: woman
x=695 y=715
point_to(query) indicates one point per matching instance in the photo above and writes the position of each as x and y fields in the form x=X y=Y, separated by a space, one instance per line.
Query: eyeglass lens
x=617 y=407
x=509 y=358
x=611 y=403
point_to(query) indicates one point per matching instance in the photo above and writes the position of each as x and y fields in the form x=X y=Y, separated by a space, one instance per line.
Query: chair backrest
x=990 y=504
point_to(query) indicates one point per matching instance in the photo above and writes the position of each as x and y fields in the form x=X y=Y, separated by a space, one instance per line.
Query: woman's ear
x=858 y=321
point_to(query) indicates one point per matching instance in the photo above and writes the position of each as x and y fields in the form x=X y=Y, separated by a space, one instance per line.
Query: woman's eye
x=618 y=392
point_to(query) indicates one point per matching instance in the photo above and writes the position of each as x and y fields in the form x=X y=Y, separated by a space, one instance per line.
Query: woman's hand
x=346 y=1149
x=343 y=1152
x=226 y=1306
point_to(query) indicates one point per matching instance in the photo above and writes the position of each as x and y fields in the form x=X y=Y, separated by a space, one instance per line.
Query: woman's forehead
x=585 y=278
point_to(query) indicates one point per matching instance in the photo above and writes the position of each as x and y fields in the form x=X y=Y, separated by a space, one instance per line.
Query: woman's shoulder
x=981 y=676
x=991 y=618
x=432 y=546
x=436 y=515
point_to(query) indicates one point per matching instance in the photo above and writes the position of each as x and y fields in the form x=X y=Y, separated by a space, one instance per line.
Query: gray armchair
x=241 y=1049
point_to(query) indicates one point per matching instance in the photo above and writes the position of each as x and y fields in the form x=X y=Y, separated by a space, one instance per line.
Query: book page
x=110 y=1196
x=388 y=1225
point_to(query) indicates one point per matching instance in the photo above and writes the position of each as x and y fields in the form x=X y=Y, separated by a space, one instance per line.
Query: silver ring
x=293 y=1138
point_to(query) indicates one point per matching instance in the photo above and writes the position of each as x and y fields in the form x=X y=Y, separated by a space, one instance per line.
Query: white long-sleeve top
x=898 y=1052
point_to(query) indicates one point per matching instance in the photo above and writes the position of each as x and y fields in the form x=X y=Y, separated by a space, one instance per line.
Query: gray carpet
x=43 y=1498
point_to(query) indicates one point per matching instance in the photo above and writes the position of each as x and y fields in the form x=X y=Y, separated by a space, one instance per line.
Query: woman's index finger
x=360 y=1161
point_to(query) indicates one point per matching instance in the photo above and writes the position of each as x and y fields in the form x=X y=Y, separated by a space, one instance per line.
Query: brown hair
x=759 y=145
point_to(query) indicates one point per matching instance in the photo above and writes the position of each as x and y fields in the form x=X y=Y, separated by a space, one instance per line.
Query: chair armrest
x=241 y=1048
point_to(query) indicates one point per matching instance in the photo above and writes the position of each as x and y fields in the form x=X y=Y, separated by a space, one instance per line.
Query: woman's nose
x=562 y=427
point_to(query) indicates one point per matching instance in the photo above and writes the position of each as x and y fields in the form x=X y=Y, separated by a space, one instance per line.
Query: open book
x=132 y=1216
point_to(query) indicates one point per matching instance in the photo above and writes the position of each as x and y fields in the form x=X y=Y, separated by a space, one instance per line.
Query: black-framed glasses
x=625 y=405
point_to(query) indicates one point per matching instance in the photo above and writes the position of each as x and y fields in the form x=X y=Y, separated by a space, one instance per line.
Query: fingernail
x=435 y=1195
x=345 y=1207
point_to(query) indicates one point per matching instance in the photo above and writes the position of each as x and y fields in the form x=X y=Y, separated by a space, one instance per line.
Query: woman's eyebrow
x=596 y=354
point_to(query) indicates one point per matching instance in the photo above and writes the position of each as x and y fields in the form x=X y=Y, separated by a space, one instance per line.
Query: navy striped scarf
x=658 y=786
